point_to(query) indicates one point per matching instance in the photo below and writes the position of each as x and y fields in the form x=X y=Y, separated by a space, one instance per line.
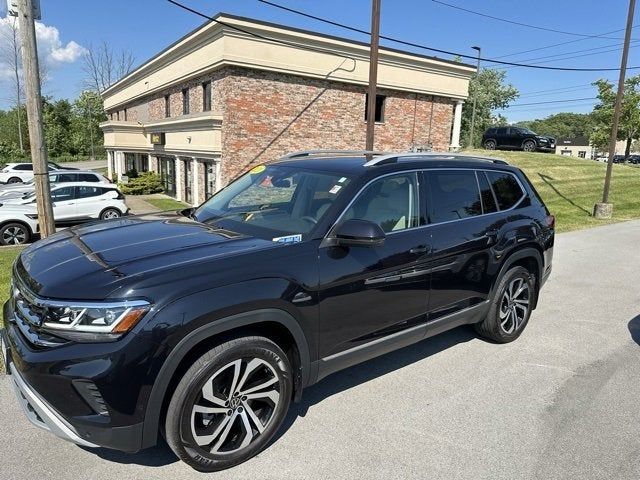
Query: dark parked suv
x=204 y=324
x=517 y=138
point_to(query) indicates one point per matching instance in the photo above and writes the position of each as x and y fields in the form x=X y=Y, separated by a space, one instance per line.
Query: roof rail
x=395 y=157
x=309 y=153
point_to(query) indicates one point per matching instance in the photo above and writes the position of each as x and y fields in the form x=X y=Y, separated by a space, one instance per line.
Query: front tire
x=529 y=146
x=14 y=180
x=510 y=308
x=14 y=234
x=229 y=404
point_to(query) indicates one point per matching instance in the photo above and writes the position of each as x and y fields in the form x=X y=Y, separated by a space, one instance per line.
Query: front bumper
x=39 y=412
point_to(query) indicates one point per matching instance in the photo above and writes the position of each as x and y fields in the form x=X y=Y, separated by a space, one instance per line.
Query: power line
x=513 y=22
x=555 y=92
x=555 y=89
x=552 y=101
x=578 y=51
x=424 y=47
x=600 y=35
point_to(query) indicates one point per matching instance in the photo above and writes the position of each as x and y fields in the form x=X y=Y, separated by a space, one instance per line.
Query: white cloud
x=51 y=50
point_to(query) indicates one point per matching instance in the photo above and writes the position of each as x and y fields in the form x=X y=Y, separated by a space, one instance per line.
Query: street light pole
x=604 y=209
x=475 y=99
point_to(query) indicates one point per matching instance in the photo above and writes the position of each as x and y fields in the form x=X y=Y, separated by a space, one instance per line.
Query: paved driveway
x=560 y=403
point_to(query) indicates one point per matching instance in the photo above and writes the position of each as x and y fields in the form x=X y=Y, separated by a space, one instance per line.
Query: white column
x=179 y=179
x=457 y=122
x=195 y=175
x=218 y=174
x=119 y=164
x=110 y=164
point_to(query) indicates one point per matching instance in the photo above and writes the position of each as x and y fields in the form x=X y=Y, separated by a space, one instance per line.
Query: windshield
x=275 y=202
x=526 y=131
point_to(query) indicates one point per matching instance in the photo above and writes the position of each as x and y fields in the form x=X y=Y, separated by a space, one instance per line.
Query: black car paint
x=512 y=138
x=204 y=280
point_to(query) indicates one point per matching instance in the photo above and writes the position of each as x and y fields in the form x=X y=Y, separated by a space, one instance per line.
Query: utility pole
x=605 y=209
x=16 y=64
x=34 y=115
x=373 y=72
x=475 y=99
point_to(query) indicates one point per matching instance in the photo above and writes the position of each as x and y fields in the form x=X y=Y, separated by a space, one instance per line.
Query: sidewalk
x=138 y=206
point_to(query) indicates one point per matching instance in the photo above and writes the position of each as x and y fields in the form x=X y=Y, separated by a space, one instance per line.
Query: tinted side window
x=506 y=188
x=501 y=131
x=452 y=195
x=488 y=200
x=87 y=177
x=62 y=194
x=86 y=192
x=391 y=202
x=67 y=177
x=24 y=167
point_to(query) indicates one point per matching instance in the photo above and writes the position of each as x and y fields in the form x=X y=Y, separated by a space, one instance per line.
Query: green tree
x=86 y=137
x=565 y=124
x=629 y=126
x=491 y=92
x=57 y=117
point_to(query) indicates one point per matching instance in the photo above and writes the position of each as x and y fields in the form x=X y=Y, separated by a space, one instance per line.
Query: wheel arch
x=20 y=222
x=272 y=323
x=529 y=257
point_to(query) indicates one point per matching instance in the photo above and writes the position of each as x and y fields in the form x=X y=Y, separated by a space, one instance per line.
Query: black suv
x=205 y=324
x=517 y=138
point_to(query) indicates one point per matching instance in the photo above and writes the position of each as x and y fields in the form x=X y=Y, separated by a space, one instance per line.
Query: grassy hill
x=571 y=186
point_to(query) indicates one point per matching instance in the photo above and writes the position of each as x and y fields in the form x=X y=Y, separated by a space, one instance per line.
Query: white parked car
x=17 y=190
x=72 y=202
x=23 y=172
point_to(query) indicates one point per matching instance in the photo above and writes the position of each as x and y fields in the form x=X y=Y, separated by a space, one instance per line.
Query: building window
x=129 y=163
x=125 y=114
x=566 y=153
x=582 y=153
x=185 y=101
x=380 y=102
x=167 y=106
x=206 y=96
x=209 y=179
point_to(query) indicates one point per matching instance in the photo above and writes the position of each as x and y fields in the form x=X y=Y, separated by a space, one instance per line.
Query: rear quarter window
x=452 y=195
x=506 y=188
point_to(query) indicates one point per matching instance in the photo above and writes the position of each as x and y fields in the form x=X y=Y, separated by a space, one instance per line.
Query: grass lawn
x=7 y=256
x=571 y=186
x=165 y=203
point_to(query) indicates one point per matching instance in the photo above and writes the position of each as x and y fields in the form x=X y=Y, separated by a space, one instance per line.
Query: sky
x=145 y=27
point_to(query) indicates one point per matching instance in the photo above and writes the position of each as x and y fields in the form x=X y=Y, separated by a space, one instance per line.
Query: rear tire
x=15 y=180
x=110 y=213
x=510 y=307
x=229 y=404
x=490 y=145
x=14 y=234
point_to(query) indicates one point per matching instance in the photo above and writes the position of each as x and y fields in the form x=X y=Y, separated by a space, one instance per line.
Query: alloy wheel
x=235 y=405
x=514 y=305
x=109 y=214
x=529 y=147
x=14 y=235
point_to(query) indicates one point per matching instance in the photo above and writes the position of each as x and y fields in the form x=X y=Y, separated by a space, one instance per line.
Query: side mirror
x=356 y=232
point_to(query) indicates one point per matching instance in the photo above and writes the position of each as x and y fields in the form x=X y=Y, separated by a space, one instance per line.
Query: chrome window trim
x=426 y=170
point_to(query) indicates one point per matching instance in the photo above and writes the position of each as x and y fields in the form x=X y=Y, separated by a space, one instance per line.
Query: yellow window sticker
x=257 y=169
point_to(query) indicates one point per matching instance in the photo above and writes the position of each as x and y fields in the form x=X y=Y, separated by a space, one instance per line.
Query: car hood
x=14 y=198
x=110 y=258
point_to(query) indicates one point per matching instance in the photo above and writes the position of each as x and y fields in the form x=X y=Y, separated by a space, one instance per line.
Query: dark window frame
x=206 y=96
x=381 y=102
x=167 y=106
x=185 y=101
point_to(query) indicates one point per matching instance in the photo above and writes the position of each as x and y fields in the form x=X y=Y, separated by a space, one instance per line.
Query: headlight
x=113 y=318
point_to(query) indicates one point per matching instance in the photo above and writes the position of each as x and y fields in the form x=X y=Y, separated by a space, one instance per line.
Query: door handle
x=419 y=249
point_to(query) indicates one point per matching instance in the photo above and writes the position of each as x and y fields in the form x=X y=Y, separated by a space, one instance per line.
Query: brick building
x=227 y=97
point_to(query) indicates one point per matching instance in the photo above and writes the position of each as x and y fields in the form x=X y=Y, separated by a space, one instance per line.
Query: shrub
x=144 y=184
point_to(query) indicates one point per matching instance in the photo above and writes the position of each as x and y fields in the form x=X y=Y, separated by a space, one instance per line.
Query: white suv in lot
x=72 y=202
x=23 y=172
x=17 y=190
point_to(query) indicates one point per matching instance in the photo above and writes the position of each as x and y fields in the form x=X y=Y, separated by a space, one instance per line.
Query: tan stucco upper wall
x=214 y=45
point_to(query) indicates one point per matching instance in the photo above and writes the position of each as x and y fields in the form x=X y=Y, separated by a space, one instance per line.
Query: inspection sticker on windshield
x=342 y=180
x=257 y=169
x=289 y=239
x=335 y=189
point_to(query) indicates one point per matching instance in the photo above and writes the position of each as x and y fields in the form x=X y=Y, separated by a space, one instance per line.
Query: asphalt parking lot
x=560 y=403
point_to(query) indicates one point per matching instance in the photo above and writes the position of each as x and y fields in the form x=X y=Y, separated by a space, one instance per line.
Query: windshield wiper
x=234 y=214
